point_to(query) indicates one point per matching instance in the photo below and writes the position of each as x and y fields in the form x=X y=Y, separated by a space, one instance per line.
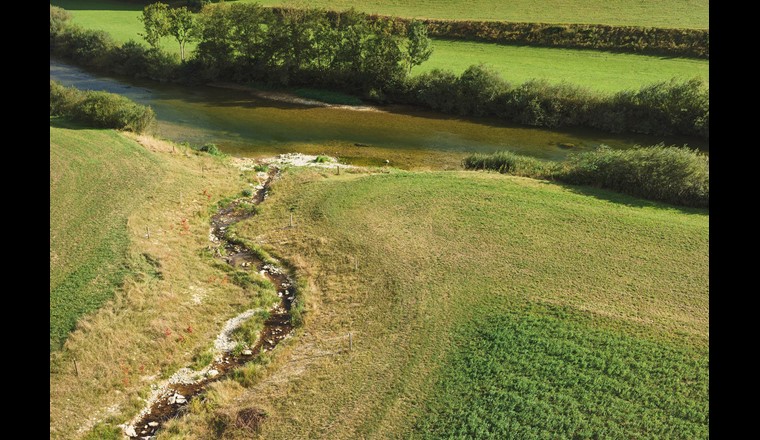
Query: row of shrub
x=664 y=108
x=99 y=109
x=232 y=48
x=669 y=174
x=636 y=39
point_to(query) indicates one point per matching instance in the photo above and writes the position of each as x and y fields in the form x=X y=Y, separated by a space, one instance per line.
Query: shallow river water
x=242 y=123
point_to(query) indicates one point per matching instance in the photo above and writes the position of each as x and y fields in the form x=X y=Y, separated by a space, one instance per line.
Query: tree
x=155 y=18
x=182 y=28
x=419 y=47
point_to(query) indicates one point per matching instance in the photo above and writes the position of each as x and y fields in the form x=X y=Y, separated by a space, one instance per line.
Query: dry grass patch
x=171 y=303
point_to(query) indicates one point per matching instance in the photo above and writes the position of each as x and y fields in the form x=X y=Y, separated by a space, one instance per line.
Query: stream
x=168 y=399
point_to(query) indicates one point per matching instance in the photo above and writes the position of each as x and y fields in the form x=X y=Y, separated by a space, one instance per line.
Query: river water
x=245 y=124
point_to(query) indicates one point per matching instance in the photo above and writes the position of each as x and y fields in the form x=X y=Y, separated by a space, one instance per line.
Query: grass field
x=653 y=13
x=118 y=18
x=107 y=191
x=598 y=70
x=604 y=71
x=92 y=192
x=481 y=306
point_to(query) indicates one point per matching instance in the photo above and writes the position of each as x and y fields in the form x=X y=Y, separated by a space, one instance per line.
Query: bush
x=669 y=174
x=99 y=109
x=675 y=175
x=59 y=18
x=507 y=162
x=88 y=47
x=211 y=149
x=477 y=88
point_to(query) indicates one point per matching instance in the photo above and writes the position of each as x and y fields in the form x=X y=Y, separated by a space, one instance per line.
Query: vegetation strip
x=669 y=174
x=634 y=39
x=169 y=399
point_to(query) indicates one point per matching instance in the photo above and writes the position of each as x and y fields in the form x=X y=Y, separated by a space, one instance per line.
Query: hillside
x=129 y=220
x=97 y=179
x=482 y=305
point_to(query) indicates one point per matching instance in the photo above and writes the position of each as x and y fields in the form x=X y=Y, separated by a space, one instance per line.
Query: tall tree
x=155 y=18
x=419 y=47
x=182 y=28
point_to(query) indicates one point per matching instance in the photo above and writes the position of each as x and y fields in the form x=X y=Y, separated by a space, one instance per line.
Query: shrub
x=477 y=88
x=86 y=46
x=669 y=174
x=433 y=90
x=211 y=149
x=59 y=18
x=321 y=159
x=507 y=162
x=99 y=109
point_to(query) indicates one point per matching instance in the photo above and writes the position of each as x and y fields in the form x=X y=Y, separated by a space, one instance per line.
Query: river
x=245 y=124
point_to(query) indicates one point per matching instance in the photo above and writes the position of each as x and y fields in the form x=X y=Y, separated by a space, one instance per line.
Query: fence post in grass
x=339 y=170
x=147 y=232
x=291 y=219
x=76 y=367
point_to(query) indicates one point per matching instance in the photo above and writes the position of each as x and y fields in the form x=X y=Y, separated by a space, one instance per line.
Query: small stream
x=170 y=398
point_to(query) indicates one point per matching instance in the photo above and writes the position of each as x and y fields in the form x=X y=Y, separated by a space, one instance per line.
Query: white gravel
x=291 y=159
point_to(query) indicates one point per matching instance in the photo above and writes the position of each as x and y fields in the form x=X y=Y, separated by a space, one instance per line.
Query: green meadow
x=652 y=13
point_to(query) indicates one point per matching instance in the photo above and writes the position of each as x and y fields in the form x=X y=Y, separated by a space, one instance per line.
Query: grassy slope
x=483 y=304
x=655 y=13
x=598 y=70
x=97 y=178
x=105 y=190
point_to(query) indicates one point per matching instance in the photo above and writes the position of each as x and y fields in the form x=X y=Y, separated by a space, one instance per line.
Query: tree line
x=248 y=42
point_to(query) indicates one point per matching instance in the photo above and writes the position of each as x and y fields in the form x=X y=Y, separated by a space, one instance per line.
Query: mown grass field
x=118 y=18
x=603 y=71
x=97 y=178
x=609 y=72
x=653 y=13
x=481 y=306
x=144 y=306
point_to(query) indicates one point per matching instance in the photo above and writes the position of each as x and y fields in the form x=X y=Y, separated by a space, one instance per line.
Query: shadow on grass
x=61 y=122
x=625 y=199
